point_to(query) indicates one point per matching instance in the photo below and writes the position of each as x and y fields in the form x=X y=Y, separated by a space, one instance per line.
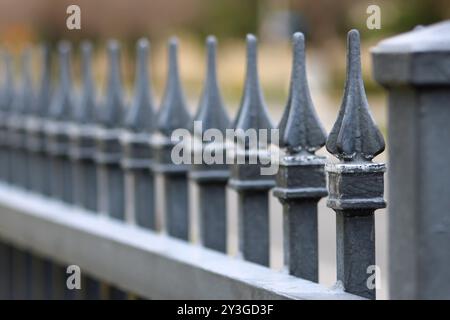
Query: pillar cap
x=418 y=57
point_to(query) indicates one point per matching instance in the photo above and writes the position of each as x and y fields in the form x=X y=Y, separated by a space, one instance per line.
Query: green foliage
x=231 y=18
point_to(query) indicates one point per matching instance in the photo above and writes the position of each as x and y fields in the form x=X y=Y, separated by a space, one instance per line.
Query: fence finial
x=300 y=128
x=354 y=136
x=8 y=82
x=301 y=180
x=355 y=140
x=211 y=178
x=111 y=113
x=85 y=112
x=41 y=105
x=173 y=113
x=253 y=112
x=211 y=111
x=25 y=96
x=141 y=114
x=62 y=104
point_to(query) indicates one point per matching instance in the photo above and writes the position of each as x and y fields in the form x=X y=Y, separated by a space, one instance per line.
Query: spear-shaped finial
x=63 y=104
x=25 y=96
x=300 y=128
x=41 y=105
x=7 y=93
x=85 y=112
x=354 y=136
x=252 y=113
x=173 y=113
x=141 y=114
x=111 y=114
x=211 y=111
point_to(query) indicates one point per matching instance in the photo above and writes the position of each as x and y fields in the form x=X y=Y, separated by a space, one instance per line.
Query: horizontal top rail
x=141 y=261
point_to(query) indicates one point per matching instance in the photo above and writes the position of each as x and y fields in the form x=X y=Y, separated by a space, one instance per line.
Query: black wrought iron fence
x=89 y=170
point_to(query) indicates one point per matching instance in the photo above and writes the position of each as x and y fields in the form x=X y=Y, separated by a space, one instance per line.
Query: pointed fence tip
x=173 y=42
x=64 y=47
x=300 y=128
x=355 y=136
x=113 y=45
x=252 y=44
x=173 y=56
x=253 y=113
x=143 y=43
x=211 y=45
x=251 y=39
x=211 y=40
x=298 y=37
x=173 y=113
x=211 y=111
x=140 y=116
x=86 y=46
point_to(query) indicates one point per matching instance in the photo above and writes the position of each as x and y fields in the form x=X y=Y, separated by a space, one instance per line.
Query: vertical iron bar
x=301 y=177
x=253 y=226
x=356 y=183
x=82 y=148
x=5 y=271
x=57 y=147
x=38 y=279
x=38 y=172
x=138 y=155
x=176 y=191
x=211 y=178
x=213 y=215
x=57 y=130
x=247 y=178
x=110 y=175
x=92 y=288
x=21 y=274
x=173 y=115
x=6 y=110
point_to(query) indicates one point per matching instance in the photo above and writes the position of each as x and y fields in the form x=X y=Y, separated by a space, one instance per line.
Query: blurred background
x=324 y=22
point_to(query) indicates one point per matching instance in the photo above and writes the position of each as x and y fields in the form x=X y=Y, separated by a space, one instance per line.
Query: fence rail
x=78 y=183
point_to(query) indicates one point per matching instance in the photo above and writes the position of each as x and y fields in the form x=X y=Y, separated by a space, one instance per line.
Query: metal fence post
x=173 y=115
x=21 y=274
x=82 y=134
x=57 y=133
x=5 y=271
x=38 y=170
x=109 y=152
x=110 y=175
x=139 y=122
x=38 y=277
x=57 y=146
x=20 y=259
x=7 y=95
x=301 y=178
x=38 y=167
x=82 y=153
x=252 y=187
x=414 y=69
x=355 y=184
x=21 y=105
x=211 y=178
